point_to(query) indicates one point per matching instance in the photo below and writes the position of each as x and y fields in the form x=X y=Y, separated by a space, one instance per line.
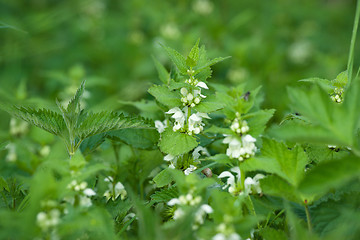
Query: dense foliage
x=198 y=160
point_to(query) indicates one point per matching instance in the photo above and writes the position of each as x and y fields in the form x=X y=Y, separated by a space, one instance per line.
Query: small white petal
x=89 y=192
x=173 y=202
x=202 y=85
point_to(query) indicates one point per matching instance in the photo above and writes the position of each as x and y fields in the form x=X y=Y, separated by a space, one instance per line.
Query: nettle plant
x=203 y=168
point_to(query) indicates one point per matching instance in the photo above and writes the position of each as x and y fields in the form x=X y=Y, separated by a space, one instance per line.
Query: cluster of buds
x=84 y=193
x=191 y=99
x=240 y=149
x=49 y=218
x=239 y=126
x=337 y=96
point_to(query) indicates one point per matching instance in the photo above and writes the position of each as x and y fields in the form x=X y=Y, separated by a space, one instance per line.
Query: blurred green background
x=48 y=47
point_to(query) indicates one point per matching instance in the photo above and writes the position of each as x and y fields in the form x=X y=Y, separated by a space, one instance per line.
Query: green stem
x=352 y=44
x=308 y=218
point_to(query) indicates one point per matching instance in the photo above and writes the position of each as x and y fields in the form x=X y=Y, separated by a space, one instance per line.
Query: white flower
x=11 y=156
x=240 y=127
x=190 y=169
x=179 y=213
x=240 y=149
x=203 y=7
x=195 y=124
x=47 y=220
x=89 y=192
x=172 y=159
x=252 y=185
x=179 y=117
x=160 y=126
x=200 y=215
x=202 y=85
x=115 y=190
x=231 y=182
x=200 y=150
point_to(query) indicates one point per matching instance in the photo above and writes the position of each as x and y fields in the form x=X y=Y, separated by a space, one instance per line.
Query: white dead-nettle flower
x=160 y=126
x=192 y=98
x=198 y=151
x=170 y=30
x=85 y=193
x=240 y=149
x=115 y=189
x=232 y=183
x=195 y=123
x=179 y=117
x=252 y=185
x=47 y=220
x=200 y=215
x=18 y=127
x=172 y=159
x=187 y=199
x=190 y=169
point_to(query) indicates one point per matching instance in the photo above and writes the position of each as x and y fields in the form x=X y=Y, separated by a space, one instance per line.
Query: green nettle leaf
x=138 y=138
x=209 y=104
x=193 y=56
x=257 y=121
x=341 y=80
x=209 y=64
x=163 y=178
x=74 y=125
x=165 y=195
x=4 y=185
x=276 y=186
x=164 y=96
x=164 y=76
x=277 y=158
x=330 y=174
x=177 y=59
x=323 y=83
x=176 y=143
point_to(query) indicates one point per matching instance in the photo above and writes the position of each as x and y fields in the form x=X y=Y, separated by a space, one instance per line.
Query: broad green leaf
x=330 y=174
x=209 y=64
x=209 y=104
x=176 y=143
x=341 y=80
x=193 y=56
x=47 y=120
x=95 y=123
x=163 y=178
x=164 y=76
x=165 y=96
x=286 y=163
x=177 y=59
x=257 y=121
x=165 y=195
x=90 y=144
x=323 y=83
x=220 y=158
x=275 y=186
x=219 y=130
x=138 y=138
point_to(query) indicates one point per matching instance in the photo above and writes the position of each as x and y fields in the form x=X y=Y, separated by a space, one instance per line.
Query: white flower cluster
x=11 y=156
x=194 y=124
x=190 y=200
x=49 y=218
x=203 y=7
x=251 y=185
x=337 y=96
x=18 y=127
x=116 y=189
x=85 y=193
x=242 y=148
x=198 y=151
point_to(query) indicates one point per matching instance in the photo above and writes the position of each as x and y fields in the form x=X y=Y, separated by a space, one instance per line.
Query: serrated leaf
x=95 y=123
x=138 y=138
x=257 y=121
x=323 y=83
x=163 y=178
x=330 y=174
x=164 y=76
x=90 y=144
x=47 y=120
x=165 y=195
x=209 y=104
x=341 y=80
x=4 y=185
x=165 y=96
x=286 y=163
x=176 y=143
x=219 y=130
x=210 y=63
x=193 y=56
x=74 y=103
x=177 y=59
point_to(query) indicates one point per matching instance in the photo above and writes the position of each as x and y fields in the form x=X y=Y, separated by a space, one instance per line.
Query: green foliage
x=176 y=143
